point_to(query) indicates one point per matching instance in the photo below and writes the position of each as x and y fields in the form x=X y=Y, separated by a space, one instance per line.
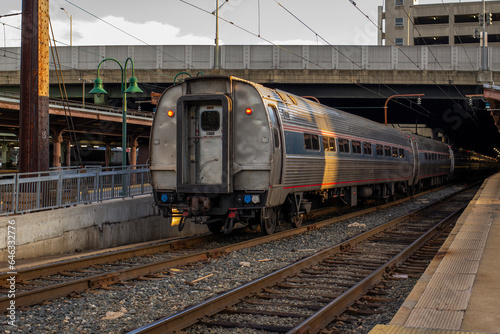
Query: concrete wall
x=268 y=57
x=85 y=227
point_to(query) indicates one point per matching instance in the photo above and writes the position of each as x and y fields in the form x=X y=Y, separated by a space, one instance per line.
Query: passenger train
x=225 y=150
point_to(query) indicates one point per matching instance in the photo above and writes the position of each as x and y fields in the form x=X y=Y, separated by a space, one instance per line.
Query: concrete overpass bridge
x=358 y=79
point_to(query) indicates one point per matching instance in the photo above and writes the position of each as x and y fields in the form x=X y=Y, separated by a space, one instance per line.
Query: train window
x=326 y=147
x=276 y=138
x=380 y=150
x=367 y=148
x=395 y=152
x=344 y=145
x=329 y=144
x=425 y=156
x=311 y=142
x=388 y=151
x=356 y=147
x=210 y=120
x=401 y=153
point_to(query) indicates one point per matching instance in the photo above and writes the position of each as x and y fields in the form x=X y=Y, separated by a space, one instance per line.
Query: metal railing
x=29 y=192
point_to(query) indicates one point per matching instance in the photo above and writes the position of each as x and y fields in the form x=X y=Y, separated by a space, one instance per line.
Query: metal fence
x=29 y=192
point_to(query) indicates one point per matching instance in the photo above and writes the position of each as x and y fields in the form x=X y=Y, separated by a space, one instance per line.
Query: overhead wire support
x=440 y=65
x=426 y=74
x=305 y=59
x=353 y=62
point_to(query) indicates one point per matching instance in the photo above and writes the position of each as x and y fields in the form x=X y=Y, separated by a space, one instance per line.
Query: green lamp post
x=132 y=88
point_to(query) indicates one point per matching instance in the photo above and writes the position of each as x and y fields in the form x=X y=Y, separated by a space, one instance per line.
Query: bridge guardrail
x=31 y=192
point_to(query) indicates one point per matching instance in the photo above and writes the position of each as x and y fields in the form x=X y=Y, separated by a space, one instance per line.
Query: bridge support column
x=133 y=159
x=107 y=155
x=5 y=155
x=56 y=145
x=143 y=156
x=133 y=151
x=68 y=153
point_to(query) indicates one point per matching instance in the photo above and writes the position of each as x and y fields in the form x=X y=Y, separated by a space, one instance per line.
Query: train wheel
x=268 y=220
x=215 y=227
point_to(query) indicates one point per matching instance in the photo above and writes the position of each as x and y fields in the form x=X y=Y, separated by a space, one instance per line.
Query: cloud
x=117 y=31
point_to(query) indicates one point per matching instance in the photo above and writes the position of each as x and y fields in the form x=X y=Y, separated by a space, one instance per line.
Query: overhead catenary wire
x=64 y=96
x=123 y=31
x=426 y=74
x=355 y=64
x=429 y=114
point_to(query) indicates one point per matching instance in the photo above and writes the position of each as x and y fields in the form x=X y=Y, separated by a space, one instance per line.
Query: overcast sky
x=156 y=22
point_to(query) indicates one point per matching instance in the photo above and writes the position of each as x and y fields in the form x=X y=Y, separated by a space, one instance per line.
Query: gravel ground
x=141 y=302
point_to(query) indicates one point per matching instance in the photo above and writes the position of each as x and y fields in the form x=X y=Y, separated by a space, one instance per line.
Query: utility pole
x=34 y=104
x=217 y=51
x=484 y=41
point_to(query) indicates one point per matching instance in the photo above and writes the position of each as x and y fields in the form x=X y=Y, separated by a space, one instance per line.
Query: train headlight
x=170 y=113
x=255 y=199
x=249 y=111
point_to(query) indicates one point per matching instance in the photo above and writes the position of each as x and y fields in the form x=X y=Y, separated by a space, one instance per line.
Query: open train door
x=203 y=137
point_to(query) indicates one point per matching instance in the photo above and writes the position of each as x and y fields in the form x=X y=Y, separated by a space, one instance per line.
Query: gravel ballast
x=141 y=302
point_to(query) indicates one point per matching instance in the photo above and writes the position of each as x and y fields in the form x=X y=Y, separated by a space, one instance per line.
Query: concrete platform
x=460 y=290
x=88 y=227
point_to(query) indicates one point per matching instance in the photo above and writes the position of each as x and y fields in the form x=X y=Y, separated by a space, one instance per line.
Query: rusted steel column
x=34 y=107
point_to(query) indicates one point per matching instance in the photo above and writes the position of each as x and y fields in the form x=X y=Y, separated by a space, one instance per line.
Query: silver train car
x=226 y=151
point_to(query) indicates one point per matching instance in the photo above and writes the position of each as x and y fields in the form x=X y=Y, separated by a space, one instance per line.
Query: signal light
x=248 y=111
x=170 y=113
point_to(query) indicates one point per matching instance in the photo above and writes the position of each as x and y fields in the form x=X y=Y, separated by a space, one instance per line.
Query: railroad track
x=51 y=281
x=306 y=296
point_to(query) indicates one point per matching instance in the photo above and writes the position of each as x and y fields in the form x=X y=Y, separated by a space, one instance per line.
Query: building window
x=399 y=2
x=400 y=22
x=399 y=41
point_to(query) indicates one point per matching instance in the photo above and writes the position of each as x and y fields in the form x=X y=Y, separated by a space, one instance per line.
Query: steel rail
x=37 y=295
x=327 y=314
x=216 y=304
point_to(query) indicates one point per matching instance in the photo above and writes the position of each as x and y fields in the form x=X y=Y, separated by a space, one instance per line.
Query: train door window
x=210 y=120
x=311 y=142
x=276 y=138
x=274 y=122
x=356 y=147
x=388 y=151
x=380 y=150
x=394 y=152
x=344 y=145
x=401 y=153
x=367 y=148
